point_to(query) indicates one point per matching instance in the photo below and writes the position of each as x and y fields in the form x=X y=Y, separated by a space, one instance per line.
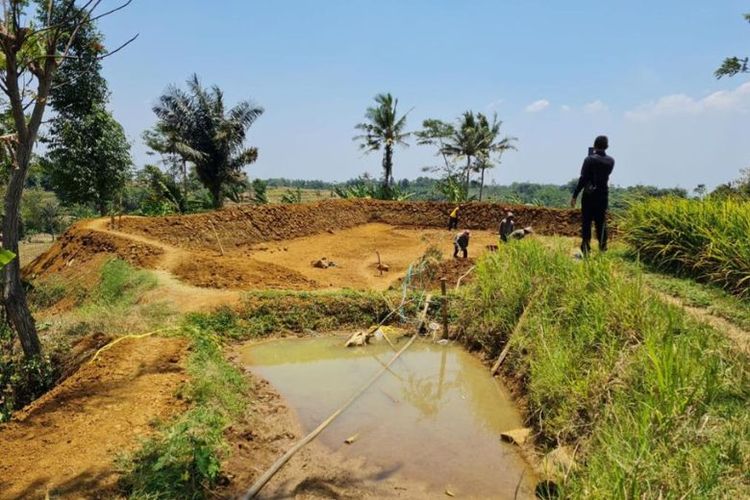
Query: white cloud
x=565 y=108
x=595 y=107
x=537 y=106
x=676 y=104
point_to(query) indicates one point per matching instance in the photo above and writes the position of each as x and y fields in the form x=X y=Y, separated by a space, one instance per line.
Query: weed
x=184 y=459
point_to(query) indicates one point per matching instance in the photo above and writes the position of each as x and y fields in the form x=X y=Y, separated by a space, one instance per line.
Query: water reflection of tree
x=424 y=391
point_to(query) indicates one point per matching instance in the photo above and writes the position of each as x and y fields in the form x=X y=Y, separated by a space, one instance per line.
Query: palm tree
x=195 y=125
x=475 y=139
x=383 y=129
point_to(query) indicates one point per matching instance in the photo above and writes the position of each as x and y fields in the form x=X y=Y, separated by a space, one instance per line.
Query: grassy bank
x=184 y=459
x=706 y=239
x=108 y=307
x=654 y=402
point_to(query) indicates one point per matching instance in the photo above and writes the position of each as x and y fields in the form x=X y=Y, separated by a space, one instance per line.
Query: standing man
x=594 y=182
x=507 y=226
x=461 y=242
x=453 y=219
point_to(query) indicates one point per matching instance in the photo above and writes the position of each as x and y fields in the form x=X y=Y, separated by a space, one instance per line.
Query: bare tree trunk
x=387 y=166
x=468 y=175
x=184 y=181
x=481 y=185
x=16 y=306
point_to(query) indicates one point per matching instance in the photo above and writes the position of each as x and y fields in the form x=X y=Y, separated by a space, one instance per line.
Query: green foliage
x=41 y=212
x=383 y=129
x=364 y=188
x=121 y=285
x=195 y=126
x=89 y=159
x=260 y=189
x=653 y=401
x=22 y=379
x=704 y=239
x=184 y=459
x=292 y=196
x=733 y=65
x=47 y=293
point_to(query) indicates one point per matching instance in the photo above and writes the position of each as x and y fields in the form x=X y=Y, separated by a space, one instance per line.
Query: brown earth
x=273 y=246
x=65 y=442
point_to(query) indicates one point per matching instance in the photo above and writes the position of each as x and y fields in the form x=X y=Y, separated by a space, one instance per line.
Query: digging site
x=324 y=272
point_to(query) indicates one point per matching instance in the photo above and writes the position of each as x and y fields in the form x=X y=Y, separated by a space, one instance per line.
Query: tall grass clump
x=653 y=401
x=184 y=459
x=705 y=239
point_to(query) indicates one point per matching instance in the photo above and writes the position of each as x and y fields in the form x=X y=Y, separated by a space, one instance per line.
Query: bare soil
x=65 y=442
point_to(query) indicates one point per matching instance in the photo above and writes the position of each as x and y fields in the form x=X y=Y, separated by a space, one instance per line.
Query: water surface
x=435 y=416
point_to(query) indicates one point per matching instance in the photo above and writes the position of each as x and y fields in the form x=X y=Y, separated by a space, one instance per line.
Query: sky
x=556 y=73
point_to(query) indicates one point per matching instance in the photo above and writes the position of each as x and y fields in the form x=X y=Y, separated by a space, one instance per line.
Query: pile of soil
x=235 y=273
x=80 y=245
x=245 y=225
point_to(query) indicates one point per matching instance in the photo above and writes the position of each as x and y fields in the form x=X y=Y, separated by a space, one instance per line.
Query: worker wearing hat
x=461 y=242
x=507 y=226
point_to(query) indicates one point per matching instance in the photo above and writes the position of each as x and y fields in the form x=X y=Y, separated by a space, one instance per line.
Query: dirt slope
x=65 y=442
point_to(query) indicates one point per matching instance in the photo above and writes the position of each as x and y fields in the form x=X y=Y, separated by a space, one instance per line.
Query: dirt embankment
x=65 y=442
x=79 y=245
x=246 y=225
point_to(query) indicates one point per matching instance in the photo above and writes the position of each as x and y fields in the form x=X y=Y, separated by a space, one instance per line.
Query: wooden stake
x=380 y=266
x=444 y=307
x=221 y=247
x=519 y=324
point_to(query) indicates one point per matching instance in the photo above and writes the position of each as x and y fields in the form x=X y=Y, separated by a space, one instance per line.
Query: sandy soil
x=65 y=442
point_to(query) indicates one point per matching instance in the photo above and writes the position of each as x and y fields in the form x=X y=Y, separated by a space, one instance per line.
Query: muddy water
x=435 y=417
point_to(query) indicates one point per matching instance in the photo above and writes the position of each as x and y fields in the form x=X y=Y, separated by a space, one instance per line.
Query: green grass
x=711 y=298
x=184 y=459
x=655 y=402
x=266 y=312
x=707 y=239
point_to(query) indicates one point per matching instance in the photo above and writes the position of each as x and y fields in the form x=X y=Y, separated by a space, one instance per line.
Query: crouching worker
x=453 y=219
x=461 y=242
x=520 y=234
x=506 y=227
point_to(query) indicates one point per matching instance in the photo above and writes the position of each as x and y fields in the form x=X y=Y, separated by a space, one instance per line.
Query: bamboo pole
x=263 y=480
x=221 y=247
x=444 y=306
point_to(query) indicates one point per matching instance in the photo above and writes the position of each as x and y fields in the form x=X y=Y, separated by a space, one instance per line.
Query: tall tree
x=384 y=129
x=734 y=65
x=196 y=126
x=89 y=159
x=31 y=53
x=435 y=133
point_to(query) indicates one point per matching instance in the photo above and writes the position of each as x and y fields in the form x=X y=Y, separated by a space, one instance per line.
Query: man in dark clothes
x=594 y=180
x=461 y=242
x=507 y=226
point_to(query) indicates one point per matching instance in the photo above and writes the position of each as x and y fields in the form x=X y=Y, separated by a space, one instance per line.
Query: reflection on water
x=435 y=416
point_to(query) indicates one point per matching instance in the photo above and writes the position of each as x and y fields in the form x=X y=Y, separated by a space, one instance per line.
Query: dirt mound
x=65 y=442
x=242 y=226
x=80 y=245
x=240 y=274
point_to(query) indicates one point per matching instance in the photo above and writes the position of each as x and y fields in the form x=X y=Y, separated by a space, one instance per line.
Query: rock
x=516 y=436
x=321 y=263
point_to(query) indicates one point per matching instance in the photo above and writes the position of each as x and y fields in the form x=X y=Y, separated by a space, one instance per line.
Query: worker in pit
x=461 y=242
x=507 y=226
x=453 y=219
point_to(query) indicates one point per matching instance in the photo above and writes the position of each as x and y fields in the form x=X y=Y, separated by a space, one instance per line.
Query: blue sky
x=557 y=74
